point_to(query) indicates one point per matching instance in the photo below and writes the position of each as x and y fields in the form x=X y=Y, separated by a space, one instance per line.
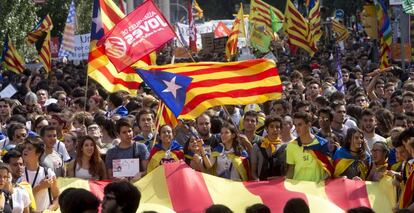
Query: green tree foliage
x=58 y=11
x=17 y=18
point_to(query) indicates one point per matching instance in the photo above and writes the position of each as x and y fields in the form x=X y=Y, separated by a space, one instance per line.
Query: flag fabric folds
x=68 y=42
x=238 y=27
x=276 y=23
x=215 y=83
x=199 y=12
x=43 y=29
x=44 y=25
x=176 y=187
x=315 y=21
x=260 y=15
x=221 y=30
x=384 y=32
x=298 y=29
x=11 y=58
x=141 y=32
x=260 y=21
x=340 y=30
x=104 y=16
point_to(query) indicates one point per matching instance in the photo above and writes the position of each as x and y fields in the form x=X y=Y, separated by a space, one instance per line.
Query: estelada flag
x=141 y=32
x=221 y=30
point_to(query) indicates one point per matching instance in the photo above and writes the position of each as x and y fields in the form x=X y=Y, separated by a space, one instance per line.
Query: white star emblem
x=98 y=22
x=171 y=87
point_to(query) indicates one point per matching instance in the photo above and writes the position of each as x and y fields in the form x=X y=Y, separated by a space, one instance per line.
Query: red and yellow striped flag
x=298 y=30
x=340 y=30
x=45 y=55
x=44 y=25
x=105 y=15
x=260 y=15
x=315 y=23
x=238 y=27
x=11 y=58
x=175 y=186
x=215 y=83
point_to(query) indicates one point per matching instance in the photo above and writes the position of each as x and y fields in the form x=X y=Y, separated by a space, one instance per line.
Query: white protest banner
x=206 y=27
x=81 y=47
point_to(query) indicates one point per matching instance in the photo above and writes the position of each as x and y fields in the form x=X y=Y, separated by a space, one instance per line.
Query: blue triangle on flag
x=171 y=88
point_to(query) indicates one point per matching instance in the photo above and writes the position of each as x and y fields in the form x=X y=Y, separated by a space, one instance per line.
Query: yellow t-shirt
x=306 y=166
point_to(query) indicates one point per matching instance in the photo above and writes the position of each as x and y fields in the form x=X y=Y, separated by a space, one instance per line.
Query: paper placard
x=8 y=92
x=125 y=167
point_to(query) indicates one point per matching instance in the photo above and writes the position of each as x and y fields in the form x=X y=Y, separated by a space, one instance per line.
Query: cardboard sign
x=125 y=167
x=207 y=40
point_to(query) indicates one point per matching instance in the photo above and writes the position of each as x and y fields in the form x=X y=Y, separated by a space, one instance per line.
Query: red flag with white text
x=141 y=32
x=221 y=30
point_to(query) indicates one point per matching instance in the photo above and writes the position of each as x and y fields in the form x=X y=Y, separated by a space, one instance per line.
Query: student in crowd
x=379 y=164
x=268 y=156
x=42 y=179
x=126 y=149
x=14 y=199
x=88 y=163
x=145 y=120
x=229 y=158
x=306 y=155
x=78 y=200
x=24 y=190
x=70 y=140
x=352 y=160
x=121 y=196
x=51 y=158
x=196 y=155
x=166 y=150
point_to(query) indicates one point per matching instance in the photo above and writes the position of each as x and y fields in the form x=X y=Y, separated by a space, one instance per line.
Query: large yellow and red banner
x=179 y=188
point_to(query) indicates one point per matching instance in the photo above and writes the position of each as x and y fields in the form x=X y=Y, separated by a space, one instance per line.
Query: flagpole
x=182 y=44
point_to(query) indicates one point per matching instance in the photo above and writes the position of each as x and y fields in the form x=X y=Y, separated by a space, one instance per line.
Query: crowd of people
x=56 y=127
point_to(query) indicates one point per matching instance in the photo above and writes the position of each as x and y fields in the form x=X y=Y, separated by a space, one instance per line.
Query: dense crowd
x=56 y=127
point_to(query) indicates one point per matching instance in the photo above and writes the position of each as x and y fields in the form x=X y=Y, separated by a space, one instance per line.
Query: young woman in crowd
x=352 y=160
x=88 y=163
x=166 y=150
x=228 y=158
x=195 y=154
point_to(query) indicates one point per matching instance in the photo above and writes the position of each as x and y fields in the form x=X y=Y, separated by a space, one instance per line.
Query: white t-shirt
x=41 y=197
x=82 y=173
x=21 y=199
x=61 y=149
x=371 y=141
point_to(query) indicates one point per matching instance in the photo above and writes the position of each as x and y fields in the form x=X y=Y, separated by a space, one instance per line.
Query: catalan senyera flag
x=11 y=58
x=298 y=30
x=314 y=18
x=177 y=187
x=260 y=15
x=165 y=116
x=340 y=30
x=384 y=32
x=44 y=25
x=238 y=27
x=105 y=15
x=214 y=83
x=45 y=55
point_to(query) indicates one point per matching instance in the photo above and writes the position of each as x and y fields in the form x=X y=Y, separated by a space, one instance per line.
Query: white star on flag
x=171 y=87
x=97 y=20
